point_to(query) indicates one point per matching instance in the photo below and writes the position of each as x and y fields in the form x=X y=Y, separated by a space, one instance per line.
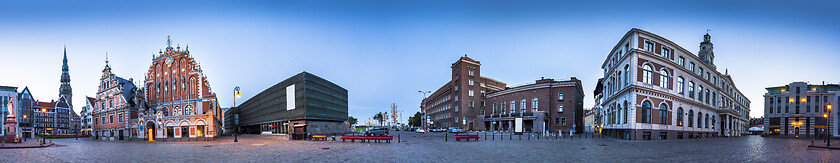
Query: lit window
x=560 y=96
x=560 y=108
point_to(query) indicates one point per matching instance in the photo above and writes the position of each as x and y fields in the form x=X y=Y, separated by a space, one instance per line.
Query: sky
x=385 y=51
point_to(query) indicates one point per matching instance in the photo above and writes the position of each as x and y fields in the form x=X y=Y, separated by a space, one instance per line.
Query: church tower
x=707 y=53
x=65 y=91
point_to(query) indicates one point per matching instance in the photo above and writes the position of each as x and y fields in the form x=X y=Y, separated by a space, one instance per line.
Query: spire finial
x=707 y=31
x=106 y=59
x=168 y=41
x=465 y=55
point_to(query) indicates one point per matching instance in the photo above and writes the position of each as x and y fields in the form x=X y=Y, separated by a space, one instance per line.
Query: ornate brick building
x=115 y=107
x=180 y=103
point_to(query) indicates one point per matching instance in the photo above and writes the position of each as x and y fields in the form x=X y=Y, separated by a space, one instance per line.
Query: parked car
x=377 y=131
x=438 y=130
x=420 y=130
x=456 y=130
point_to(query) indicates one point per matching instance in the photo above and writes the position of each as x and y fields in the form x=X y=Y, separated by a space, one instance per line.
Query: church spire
x=65 y=91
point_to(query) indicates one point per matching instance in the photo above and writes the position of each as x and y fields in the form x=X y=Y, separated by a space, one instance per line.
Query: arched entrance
x=150 y=130
x=796 y=131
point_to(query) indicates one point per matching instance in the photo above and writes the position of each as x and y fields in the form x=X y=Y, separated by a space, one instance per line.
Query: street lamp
x=828 y=122
x=423 y=108
x=236 y=113
x=44 y=130
x=24 y=136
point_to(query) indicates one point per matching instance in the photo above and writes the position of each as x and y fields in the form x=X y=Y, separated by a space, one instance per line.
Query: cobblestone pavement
x=430 y=147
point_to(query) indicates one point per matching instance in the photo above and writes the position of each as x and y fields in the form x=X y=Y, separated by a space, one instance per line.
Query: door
x=121 y=134
x=796 y=131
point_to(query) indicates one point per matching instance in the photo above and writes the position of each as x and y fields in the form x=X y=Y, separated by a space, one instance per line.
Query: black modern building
x=302 y=104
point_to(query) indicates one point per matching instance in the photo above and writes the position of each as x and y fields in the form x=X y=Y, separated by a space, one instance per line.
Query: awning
x=300 y=125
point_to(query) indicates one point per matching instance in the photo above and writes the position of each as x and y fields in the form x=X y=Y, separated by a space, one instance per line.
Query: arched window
x=626 y=107
x=494 y=108
x=691 y=89
x=700 y=93
x=512 y=106
x=522 y=106
x=618 y=114
x=699 y=119
x=663 y=78
x=502 y=108
x=647 y=75
x=619 y=83
x=627 y=75
x=646 y=106
x=534 y=104
x=188 y=110
x=690 y=118
x=680 y=87
x=663 y=114
x=679 y=116
x=707 y=120
x=176 y=111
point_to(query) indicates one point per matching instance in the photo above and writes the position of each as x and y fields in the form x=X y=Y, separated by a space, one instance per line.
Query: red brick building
x=180 y=102
x=458 y=102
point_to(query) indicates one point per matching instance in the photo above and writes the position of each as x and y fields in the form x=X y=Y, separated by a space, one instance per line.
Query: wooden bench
x=468 y=137
x=316 y=137
x=366 y=138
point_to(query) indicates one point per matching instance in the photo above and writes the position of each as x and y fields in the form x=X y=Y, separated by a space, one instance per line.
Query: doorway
x=796 y=131
x=121 y=135
x=150 y=126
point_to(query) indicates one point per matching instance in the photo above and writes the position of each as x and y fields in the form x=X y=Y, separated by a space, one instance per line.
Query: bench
x=317 y=137
x=367 y=138
x=468 y=137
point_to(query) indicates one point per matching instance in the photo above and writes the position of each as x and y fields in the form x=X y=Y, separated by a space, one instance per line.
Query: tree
x=352 y=120
x=415 y=120
x=378 y=117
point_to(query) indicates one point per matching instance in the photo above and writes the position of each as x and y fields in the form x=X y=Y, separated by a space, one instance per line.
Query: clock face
x=169 y=61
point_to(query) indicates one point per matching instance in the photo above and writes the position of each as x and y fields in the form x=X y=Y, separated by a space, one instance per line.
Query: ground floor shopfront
x=183 y=128
x=646 y=134
x=299 y=127
x=799 y=126
x=529 y=122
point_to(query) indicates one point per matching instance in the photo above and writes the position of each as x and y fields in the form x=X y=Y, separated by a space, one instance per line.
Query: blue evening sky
x=384 y=51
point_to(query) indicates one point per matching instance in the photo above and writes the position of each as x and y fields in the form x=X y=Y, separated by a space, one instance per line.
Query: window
x=691 y=67
x=690 y=118
x=522 y=106
x=666 y=53
x=701 y=73
x=649 y=46
x=472 y=103
x=560 y=108
x=680 y=87
x=456 y=98
x=647 y=75
x=471 y=82
x=563 y=121
x=679 y=116
x=502 y=107
x=625 y=111
x=627 y=75
x=111 y=119
x=700 y=93
x=663 y=113
x=556 y=121
x=646 y=106
x=512 y=106
x=707 y=96
x=456 y=87
x=713 y=122
x=691 y=89
x=456 y=77
x=560 y=96
x=619 y=81
x=699 y=119
x=663 y=78
x=534 y=104
x=471 y=72
x=471 y=93
x=120 y=119
x=456 y=108
x=682 y=61
x=494 y=108
x=707 y=120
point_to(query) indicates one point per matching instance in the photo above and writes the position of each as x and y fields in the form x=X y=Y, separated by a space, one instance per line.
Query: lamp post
x=236 y=114
x=828 y=122
x=422 y=108
x=44 y=130
x=24 y=136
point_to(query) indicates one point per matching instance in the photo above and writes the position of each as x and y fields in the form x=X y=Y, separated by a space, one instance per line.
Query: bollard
x=529 y=136
x=520 y=137
x=446 y=138
x=538 y=136
x=494 y=136
x=511 y=136
x=398 y=138
x=485 y=136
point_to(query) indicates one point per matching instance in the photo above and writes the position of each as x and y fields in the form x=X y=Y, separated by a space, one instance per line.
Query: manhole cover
x=325 y=148
x=602 y=145
x=207 y=146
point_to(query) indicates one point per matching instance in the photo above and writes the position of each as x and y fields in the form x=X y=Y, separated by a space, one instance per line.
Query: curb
x=824 y=147
x=40 y=146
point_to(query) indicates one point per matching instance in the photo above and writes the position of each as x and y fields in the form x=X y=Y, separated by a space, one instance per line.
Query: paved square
x=430 y=147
